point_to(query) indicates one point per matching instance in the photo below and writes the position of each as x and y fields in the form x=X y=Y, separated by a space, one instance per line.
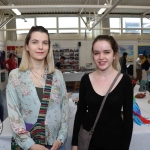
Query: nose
x=40 y=45
x=101 y=56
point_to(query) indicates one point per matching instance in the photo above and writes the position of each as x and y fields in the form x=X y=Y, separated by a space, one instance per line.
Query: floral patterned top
x=23 y=107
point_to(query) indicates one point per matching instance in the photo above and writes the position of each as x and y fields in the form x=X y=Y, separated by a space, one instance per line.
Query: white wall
x=85 y=49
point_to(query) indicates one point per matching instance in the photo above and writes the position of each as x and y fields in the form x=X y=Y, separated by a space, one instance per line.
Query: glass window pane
x=68 y=31
x=68 y=22
x=131 y=23
x=21 y=24
x=82 y=25
x=114 y=23
x=47 y=22
x=87 y=31
x=52 y=31
x=146 y=24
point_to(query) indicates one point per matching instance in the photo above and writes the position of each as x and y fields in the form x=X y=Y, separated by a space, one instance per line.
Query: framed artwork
x=128 y=49
x=10 y=49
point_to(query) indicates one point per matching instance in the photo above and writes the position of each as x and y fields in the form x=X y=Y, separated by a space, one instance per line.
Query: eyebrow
x=103 y=50
x=38 y=40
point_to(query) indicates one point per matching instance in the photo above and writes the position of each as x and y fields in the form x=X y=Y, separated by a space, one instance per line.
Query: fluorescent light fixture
x=16 y=11
x=102 y=10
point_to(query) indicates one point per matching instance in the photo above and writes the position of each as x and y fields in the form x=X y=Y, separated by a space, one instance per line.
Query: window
x=68 y=22
x=47 y=22
x=146 y=24
x=131 y=23
x=114 y=23
x=69 y=31
x=21 y=24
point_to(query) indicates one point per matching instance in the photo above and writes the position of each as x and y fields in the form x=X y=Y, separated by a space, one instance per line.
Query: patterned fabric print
x=38 y=130
x=24 y=105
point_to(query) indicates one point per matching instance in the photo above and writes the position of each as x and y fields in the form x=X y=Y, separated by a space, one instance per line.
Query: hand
x=37 y=147
x=56 y=145
x=74 y=147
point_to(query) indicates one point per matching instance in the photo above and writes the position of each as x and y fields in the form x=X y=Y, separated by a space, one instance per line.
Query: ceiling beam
x=106 y=13
x=6 y=21
x=83 y=8
x=145 y=12
x=74 y=6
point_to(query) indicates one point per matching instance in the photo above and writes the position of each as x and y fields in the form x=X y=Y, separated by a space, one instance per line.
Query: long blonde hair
x=114 y=46
x=49 y=60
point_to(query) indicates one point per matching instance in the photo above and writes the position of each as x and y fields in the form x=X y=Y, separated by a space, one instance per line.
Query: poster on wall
x=128 y=49
x=18 y=51
x=10 y=49
x=143 y=49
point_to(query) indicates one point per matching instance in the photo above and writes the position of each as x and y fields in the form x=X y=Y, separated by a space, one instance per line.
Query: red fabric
x=12 y=64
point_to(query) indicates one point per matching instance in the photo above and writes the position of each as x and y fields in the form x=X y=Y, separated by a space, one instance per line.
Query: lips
x=40 y=52
x=102 y=63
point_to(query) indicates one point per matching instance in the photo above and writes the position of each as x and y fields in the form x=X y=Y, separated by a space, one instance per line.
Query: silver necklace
x=39 y=80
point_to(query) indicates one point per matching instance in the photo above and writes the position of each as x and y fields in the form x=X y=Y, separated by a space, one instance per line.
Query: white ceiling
x=126 y=10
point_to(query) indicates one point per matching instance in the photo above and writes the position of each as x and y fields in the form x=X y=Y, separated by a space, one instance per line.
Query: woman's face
x=38 y=46
x=103 y=55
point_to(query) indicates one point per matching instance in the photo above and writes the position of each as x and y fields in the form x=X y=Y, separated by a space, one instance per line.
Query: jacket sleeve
x=127 y=115
x=63 y=132
x=81 y=111
x=21 y=136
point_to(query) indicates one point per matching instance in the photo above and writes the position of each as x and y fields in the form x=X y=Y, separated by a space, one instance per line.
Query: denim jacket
x=23 y=107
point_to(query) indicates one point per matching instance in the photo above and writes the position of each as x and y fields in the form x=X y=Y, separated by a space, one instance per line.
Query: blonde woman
x=111 y=131
x=36 y=97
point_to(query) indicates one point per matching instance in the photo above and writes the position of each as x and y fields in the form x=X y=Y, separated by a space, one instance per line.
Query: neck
x=38 y=66
x=106 y=73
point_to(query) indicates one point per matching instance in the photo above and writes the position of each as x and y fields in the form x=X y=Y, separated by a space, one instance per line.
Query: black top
x=111 y=132
x=58 y=65
x=39 y=92
x=146 y=65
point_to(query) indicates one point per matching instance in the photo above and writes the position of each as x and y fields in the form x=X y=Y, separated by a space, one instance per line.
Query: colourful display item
x=138 y=119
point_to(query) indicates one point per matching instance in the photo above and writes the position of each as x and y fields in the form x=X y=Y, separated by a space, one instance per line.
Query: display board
x=72 y=58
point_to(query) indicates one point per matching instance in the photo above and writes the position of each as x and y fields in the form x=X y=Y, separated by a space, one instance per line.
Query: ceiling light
x=16 y=11
x=102 y=10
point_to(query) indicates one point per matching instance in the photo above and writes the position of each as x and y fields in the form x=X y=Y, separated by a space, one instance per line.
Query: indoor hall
x=72 y=27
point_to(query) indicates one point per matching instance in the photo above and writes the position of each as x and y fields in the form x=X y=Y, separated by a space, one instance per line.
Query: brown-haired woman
x=111 y=132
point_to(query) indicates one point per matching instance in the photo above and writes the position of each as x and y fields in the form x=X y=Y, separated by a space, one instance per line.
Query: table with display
x=140 y=137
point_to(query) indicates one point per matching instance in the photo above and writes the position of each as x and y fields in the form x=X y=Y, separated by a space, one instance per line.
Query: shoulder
x=126 y=79
x=85 y=78
x=17 y=72
x=57 y=73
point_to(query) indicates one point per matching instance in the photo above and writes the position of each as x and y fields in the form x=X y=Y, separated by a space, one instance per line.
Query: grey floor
x=70 y=89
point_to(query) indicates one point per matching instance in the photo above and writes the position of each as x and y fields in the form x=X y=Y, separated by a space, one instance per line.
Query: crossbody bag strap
x=103 y=102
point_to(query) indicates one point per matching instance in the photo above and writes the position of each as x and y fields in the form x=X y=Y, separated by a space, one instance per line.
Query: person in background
x=10 y=63
x=58 y=64
x=123 y=63
x=139 y=68
x=37 y=98
x=146 y=66
x=112 y=132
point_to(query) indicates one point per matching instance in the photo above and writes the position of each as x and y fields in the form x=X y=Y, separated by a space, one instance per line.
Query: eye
x=45 y=43
x=106 y=52
x=34 y=42
x=95 y=53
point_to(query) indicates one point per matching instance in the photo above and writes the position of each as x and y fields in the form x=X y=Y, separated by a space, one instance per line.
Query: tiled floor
x=70 y=89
